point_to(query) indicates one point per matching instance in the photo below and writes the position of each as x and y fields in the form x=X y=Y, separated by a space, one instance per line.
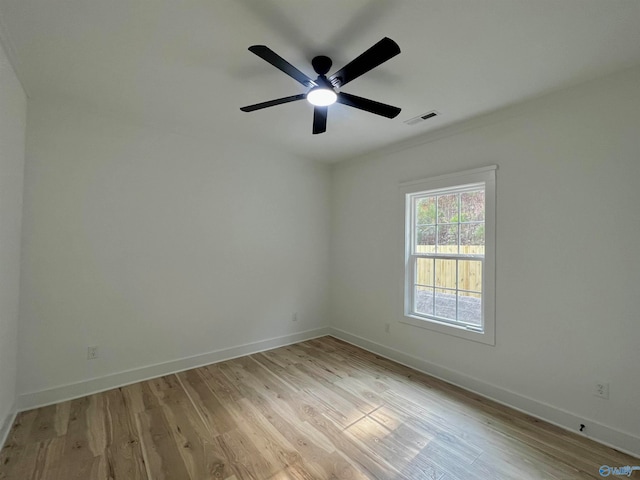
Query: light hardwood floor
x=321 y=409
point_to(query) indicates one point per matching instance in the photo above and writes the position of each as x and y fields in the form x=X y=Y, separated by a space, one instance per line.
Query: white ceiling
x=184 y=64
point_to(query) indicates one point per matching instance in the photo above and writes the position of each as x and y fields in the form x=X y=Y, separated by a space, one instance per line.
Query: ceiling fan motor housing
x=321 y=64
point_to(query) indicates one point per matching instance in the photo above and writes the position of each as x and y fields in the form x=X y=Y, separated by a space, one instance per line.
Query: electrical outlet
x=294 y=317
x=387 y=327
x=601 y=389
x=92 y=352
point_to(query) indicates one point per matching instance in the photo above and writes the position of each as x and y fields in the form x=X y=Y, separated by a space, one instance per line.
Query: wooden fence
x=469 y=272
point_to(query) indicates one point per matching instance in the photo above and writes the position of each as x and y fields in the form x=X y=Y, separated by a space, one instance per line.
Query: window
x=450 y=254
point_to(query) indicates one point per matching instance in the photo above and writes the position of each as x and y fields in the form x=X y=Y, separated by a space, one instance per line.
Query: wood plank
x=122 y=450
x=32 y=461
x=246 y=460
x=39 y=425
x=277 y=403
x=20 y=433
x=357 y=452
x=79 y=457
x=162 y=457
x=215 y=416
x=339 y=409
x=401 y=454
x=200 y=452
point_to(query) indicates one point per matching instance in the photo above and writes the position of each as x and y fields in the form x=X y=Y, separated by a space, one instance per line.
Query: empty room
x=294 y=239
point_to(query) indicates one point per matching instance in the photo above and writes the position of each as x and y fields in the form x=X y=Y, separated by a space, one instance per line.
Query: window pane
x=426 y=239
x=424 y=271
x=472 y=234
x=472 y=206
x=448 y=208
x=426 y=211
x=423 y=299
x=445 y=304
x=470 y=308
x=448 y=238
x=470 y=275
x=445 y=273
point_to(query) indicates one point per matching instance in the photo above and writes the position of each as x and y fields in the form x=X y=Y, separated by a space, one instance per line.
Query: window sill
x=457 y=331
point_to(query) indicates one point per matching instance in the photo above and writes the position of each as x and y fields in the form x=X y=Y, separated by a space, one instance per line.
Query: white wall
x=568 y=266
x=156 y=247
x=13 y=114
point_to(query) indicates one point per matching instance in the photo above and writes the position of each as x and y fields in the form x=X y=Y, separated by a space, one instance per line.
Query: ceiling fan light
x=321 y=97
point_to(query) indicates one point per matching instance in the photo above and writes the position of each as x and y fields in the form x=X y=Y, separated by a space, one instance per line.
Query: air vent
x=422 y=118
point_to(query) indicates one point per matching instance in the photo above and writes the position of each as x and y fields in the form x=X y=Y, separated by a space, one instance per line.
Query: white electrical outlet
x=92 y=352
x=601 y=389
x=387 y=327
x=294 y=317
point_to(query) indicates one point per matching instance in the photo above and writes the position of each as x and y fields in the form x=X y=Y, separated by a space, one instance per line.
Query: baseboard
x=5 y=427
x=618 y=439
x=28 y=401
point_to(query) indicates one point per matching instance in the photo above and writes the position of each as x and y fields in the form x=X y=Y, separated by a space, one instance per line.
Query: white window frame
x=479 y=176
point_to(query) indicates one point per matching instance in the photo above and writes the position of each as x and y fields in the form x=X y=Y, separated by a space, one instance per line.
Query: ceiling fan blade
x=376 y=55
x=320 y=119
x=280 y=63
x=367 y=105
x=273 y=103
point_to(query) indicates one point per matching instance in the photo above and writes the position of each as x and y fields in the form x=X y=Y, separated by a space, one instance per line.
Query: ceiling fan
x=324 y=91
